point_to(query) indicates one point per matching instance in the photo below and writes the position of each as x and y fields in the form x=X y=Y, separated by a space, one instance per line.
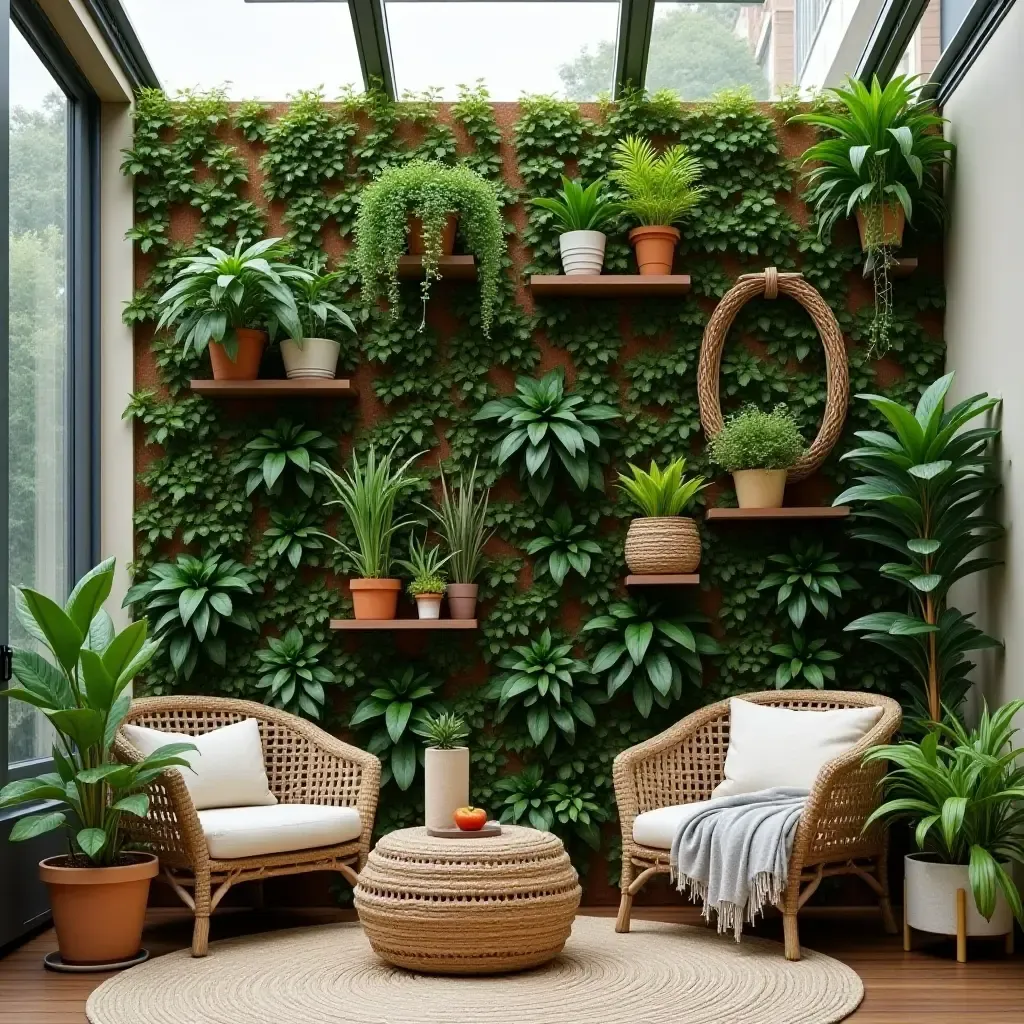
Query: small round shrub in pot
x=428 y=581
x=314 y=353
x=663 y=541
x=758 y=448
x=581 y=212
x=445 y=768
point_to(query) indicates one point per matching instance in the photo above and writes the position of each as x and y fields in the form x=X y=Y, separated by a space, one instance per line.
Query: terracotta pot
x=582 y=252
x=655 y=248
x=246 y=364
x=931 y=898
x=447 y=235
x=759 y=488
x=662 y=545
x=886 y=221
x=310 y=358
x=98 y=912
x=445 y=785
x=462 y=600
x=375 y=599
x=428 y=606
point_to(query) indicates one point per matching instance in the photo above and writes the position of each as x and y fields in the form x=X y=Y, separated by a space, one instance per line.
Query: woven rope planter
x=458 y=906
x=770 y=284
x=657 y=545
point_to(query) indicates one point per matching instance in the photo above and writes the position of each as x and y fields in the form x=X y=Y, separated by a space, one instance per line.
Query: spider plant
x=443 y=731
x=661 y=492
x=424 y=564
x=657 y=190
x=579 y=207
x=461 y=515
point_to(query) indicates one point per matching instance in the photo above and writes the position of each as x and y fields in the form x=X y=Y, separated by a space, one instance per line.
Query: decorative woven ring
x=657 y=545
x=771 y=283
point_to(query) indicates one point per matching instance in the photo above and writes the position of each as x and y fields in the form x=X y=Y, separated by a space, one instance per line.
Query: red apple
x=470 y=819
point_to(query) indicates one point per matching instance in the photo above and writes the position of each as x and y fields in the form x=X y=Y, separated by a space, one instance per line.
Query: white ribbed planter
x=931 y=899
x=311 y=358
x=445 y=785
x=428 y=606
x=582 y=252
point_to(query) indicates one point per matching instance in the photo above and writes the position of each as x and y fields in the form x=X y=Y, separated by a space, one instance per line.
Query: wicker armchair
x=304 y=765
x=684 y=764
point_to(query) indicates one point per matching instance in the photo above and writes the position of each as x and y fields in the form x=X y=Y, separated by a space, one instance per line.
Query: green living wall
x=206 y=172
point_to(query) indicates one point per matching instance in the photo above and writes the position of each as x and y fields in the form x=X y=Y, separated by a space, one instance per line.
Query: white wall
x=985 y=313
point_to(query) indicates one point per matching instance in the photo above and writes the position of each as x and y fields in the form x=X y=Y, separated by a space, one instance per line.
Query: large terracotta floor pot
x=98 y=912
x=375 y=599
x=447 y=235
x=246 y=364
x=655 y=248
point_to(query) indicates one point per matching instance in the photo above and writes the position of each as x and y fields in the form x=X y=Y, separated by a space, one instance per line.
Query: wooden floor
x=923 y=987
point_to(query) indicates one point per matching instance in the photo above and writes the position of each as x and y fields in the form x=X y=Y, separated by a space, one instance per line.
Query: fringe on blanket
x=765 y=887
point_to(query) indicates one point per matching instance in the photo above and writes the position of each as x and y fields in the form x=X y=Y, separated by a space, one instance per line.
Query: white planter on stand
x=310 y=358
x=582 y=252
x=446 y=785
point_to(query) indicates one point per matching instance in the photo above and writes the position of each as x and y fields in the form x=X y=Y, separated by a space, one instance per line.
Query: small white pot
x=931 y=899
x=310 y=358
x=759 y=488
x=446 y=785
x=428 y=606
x=582 y=252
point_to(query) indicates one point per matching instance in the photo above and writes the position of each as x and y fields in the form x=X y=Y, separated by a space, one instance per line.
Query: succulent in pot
x=445 y=767
x=232 y=303
x=428 y=581
x=98 y=890
x=662 y=541
x=367 y=493
x=314 y=354
x=658 y=191
x=758 y=448
x=581 y=212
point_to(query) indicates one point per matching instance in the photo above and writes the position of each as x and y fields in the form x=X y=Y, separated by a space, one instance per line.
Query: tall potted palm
x=98 y=889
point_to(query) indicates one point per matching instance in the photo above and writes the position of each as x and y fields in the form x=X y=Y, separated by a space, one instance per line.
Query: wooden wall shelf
x=670 y=580
x=403 y=624
x=610 y=285
x=723 y=515
x=274 y=388
x=455 y=268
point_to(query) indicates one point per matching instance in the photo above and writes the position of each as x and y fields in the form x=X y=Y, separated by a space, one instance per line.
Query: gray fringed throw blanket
x=732 y=853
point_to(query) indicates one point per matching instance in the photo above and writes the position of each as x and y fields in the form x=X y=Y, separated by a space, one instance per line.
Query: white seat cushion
x=227 y=764
x=658 y=828
x=770 y=746
x=233 y=832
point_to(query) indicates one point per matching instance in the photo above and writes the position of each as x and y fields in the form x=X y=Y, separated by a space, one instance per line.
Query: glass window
x=263 y=51
x=700 y=49
x=925 y=47
x=564 y=49
x=37 y=359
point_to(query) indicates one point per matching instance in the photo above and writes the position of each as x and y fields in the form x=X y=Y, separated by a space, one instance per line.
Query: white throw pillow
x=228 y=763
x=770 y=746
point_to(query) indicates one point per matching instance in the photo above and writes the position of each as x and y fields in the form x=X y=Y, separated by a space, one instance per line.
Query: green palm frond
x=657 y=190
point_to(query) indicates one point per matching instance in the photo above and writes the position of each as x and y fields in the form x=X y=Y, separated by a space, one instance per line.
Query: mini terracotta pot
x=375 y=599
x=246 y=364
x=428 y=606
x=462 y=600
x=98 y=913
x=887 y=222
x=416 y=247
x=655 y=248
x=759 y=488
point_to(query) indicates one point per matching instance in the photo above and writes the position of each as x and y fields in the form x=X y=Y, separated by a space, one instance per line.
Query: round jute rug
x=657 y=974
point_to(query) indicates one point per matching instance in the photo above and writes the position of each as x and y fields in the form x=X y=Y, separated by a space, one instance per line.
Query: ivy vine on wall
x=207 y=172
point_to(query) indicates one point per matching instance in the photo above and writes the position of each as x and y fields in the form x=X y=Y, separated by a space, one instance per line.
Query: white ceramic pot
x=310 y=358
x=446 y=785
x=428 y=606
x=759 y=488
x=582 y=252
x=931 y=899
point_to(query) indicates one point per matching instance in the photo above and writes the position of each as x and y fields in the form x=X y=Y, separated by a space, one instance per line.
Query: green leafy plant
x=964 y=789
x=401 y=705
x=661 y=492
x=291 y=534
x=544 y=421
x=192 y=599
x=543 y=678
x=658 y=190
x=526 y=797
x=653 y=652
x=445 y=731
x=83 y=690
x=461 y=516
x=215 y=294
x=424 y=565
x=580 y=208
x=275 y=449
x=367 y=493
x=576 y=808
x=563 y=547
x=754 y=439
x=809 y=577
x=316 y=312
x=803 y=659
x=292 y=674
x=922 y=494
x=431 y=192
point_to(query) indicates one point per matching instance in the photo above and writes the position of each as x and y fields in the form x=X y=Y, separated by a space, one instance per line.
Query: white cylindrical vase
x=310 y=358
x=446 y=785
x=931 y=899
x=582 y=252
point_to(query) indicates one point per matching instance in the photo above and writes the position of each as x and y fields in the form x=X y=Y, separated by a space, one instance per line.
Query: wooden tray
x=492 y=828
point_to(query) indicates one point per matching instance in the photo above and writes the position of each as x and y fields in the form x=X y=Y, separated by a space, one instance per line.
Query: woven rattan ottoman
x=468 y=906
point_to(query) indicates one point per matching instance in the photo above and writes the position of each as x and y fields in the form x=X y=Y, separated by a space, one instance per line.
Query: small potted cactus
x=445 y=768
x=428 y=581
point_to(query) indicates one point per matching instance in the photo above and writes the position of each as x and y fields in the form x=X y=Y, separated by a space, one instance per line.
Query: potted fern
x=663 y=540
x=581 y=211
x=445 y=768
x=428 y=581
x=313 y=354
x=658 y=192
